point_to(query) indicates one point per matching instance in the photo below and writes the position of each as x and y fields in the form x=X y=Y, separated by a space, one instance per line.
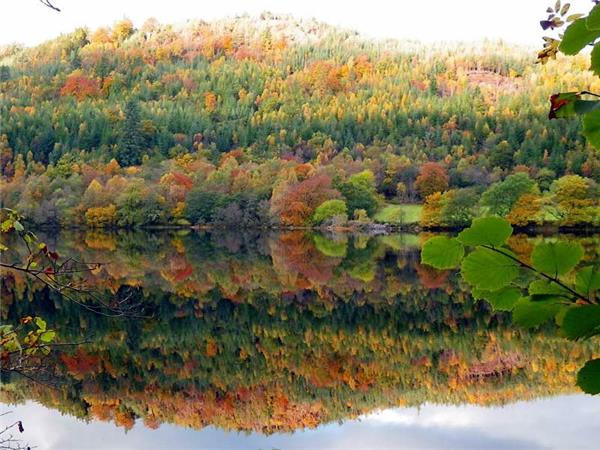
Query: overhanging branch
x=49 y=5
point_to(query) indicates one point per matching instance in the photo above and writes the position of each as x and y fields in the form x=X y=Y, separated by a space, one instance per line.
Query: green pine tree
x=4 y=73
x=131 y=143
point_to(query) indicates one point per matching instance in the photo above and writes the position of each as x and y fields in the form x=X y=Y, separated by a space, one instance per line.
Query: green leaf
x=582 y=322
x=588 y=378
x=562 y=105
x=3 y=247
x=591 y=127
x=549 y=298
x=41 y=323
x=560 y=316
x=573 y=17
x=595 y=66
x=581 y=107
x=47 y=336
x=547 y=287
x=6 y=225
x=556 y=258
x=501 y=300
x=486 y=231
x=576 y=37
x=489 y=270
x=442 y=252
x=592 y=22
x=530 y=314
x=570 y=104
x=18 y=226
x=10 y=340
x=588 y=280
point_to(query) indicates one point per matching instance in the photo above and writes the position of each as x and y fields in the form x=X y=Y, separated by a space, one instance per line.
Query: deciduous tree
x=432 y=178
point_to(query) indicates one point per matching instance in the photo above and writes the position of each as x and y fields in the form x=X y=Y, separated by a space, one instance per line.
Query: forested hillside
x=261 y=121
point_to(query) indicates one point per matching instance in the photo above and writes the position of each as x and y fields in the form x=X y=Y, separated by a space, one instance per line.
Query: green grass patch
x=399 y=214
x=401 y=241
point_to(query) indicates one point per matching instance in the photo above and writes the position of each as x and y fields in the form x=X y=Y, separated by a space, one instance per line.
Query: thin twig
x=49 y=5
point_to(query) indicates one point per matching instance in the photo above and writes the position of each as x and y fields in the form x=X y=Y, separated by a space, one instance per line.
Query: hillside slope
x=282 y=100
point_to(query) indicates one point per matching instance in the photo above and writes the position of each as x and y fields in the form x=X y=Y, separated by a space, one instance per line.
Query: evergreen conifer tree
x=129 y=150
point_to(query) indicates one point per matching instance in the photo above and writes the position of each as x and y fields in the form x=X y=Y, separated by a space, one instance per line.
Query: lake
x=291 y=340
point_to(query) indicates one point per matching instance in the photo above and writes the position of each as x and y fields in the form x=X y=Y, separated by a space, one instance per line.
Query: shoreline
x=373 y=229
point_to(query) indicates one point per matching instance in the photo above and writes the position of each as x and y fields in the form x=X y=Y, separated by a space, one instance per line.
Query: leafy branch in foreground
x=549 y=287
x=65 y=276
x=24 y=350
x=582 y=31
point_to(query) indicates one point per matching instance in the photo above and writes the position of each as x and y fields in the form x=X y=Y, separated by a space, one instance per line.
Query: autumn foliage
x=298 y=202
x=231 y=313
x=223 y=123
x=432 y=178
x=80 y=87
x=526 y=210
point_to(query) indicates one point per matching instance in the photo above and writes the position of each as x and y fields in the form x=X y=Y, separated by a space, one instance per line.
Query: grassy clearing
x=399 y=214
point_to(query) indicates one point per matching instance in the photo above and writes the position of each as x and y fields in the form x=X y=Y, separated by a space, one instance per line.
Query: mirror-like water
x=280 y=337
x=537 y=424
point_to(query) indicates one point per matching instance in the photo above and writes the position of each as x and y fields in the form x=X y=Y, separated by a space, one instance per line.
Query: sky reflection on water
x=553 y=423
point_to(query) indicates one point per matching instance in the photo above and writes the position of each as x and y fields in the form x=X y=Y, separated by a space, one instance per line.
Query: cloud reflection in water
x=553 y=423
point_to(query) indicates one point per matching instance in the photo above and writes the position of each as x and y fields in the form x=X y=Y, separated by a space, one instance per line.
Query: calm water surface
x=292 y=341
x=538 y=424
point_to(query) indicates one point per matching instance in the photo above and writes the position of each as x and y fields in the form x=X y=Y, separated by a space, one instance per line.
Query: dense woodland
x=260 y=122
x=265 y=123
x=279 y=332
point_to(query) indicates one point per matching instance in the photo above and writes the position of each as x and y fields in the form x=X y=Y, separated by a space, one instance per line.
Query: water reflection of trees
x=274 y=332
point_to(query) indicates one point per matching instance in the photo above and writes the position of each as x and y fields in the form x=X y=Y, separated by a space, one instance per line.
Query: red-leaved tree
x=297 y=205
x=432 y=178
x=80 y=86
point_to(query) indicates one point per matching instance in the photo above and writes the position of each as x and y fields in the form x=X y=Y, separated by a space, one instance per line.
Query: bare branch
x=7 y=441
x=49 y=5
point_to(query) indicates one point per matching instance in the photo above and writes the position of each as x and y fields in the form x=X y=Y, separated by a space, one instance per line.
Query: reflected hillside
x=275 y=332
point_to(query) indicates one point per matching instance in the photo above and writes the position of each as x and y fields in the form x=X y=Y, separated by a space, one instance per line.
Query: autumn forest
x=275 y=226
x=260 y=122
x=279 y=332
